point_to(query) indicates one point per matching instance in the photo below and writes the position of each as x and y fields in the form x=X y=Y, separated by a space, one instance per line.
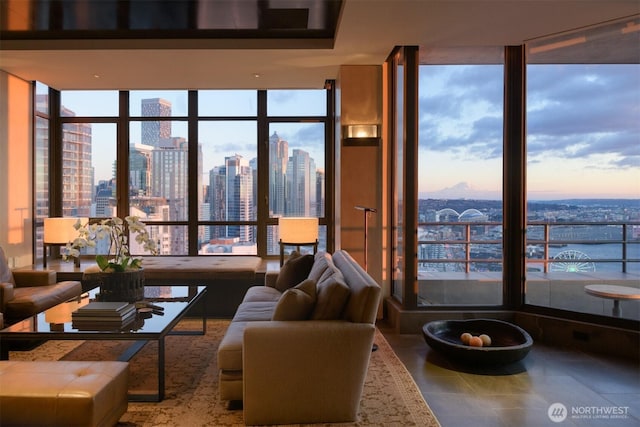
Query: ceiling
x=246 y=47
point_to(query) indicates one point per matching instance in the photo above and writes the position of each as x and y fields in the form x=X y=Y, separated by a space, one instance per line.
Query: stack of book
x=102 y=315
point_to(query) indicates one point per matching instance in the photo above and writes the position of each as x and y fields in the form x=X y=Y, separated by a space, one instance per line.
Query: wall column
x=16 y=171
x=361 y=171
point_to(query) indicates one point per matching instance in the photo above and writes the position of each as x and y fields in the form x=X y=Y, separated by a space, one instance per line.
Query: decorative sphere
x=486 y=340
x=475 y=342
x=465 y=338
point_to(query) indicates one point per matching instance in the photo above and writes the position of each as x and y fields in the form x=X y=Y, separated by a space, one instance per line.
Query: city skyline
x=582 y=163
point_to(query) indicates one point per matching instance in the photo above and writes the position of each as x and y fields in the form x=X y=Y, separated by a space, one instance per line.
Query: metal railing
x=477 y=246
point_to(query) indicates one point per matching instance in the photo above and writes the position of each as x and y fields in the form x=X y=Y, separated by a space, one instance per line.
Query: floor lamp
x=366 y=211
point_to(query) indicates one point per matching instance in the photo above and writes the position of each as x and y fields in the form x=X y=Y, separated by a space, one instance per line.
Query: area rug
x=390 y=397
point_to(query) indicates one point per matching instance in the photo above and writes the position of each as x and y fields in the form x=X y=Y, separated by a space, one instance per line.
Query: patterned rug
x=390 y=397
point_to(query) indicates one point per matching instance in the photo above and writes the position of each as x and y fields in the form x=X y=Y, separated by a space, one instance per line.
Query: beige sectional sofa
x=298 y=348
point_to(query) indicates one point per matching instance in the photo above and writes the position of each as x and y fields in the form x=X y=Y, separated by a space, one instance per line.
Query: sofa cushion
x=29 y=301
x=294 y=271
x=230 y=348
x=296 y=303
x=262 y=293
x=320 y=265
x=332 y=295
x=254 y=310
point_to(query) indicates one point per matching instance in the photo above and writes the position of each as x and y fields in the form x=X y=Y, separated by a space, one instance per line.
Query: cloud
x=595 y=107
x=574 y=111
x=461 y=110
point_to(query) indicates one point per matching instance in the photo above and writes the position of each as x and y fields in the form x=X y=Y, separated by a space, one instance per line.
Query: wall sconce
x=297 y=231
x=59 y=232
x=368 y=135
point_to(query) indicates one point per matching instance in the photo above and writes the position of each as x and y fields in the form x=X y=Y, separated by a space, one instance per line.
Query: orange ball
x=475 y=342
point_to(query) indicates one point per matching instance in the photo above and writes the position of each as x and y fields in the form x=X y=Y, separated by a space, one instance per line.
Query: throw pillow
x=332 y=297
x=294 y=271
x=296 y=303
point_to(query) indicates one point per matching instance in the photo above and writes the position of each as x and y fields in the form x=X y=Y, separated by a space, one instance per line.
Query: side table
x=614 y=292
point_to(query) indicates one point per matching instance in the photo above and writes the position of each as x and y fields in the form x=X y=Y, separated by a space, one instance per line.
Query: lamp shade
x=298 y=230
x=61 y=230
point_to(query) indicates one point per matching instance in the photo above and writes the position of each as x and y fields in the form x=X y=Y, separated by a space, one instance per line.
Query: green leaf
x=102 y=262
x=117 y=267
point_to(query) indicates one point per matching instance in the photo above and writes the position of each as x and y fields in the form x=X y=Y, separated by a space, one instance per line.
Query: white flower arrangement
x=119 y=258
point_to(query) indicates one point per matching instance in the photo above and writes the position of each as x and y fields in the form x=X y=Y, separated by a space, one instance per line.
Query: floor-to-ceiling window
x=460 y=176
x=398 y=159
x=297 y=160
x=574 y=180
x=583 y=167
x=158 y=166
x=194 y=165
x=89 y=143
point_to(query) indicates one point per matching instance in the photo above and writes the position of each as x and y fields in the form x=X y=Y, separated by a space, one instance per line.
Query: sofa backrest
x=362 y=306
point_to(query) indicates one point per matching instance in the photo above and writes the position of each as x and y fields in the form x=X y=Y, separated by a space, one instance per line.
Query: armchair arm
x=25 y=278
x=6 y=294
x=304 y=372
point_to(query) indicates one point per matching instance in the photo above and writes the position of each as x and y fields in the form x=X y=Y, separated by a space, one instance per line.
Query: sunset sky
x=583 y=129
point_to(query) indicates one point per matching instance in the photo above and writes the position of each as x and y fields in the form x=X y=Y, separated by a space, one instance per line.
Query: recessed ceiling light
x=256 y=75
x=96 y=76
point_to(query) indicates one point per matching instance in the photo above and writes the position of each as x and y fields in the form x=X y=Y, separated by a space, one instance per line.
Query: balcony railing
x=559 y=246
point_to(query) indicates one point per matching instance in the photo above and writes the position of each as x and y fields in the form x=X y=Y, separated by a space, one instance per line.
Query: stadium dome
x=470 y=215
x=447 y=213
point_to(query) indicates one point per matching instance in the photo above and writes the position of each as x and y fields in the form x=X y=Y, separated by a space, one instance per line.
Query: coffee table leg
x=161 y=369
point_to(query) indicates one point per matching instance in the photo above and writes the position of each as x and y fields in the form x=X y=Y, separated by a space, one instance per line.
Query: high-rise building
x=77 y=172
x=140 y=170
x=239 y=197
x=105 y=201
x=154 y=132
x=301 y=184
x=169 y=180
x=320 y=182
x=217 y=200
x=278 y=158
x=231 y=198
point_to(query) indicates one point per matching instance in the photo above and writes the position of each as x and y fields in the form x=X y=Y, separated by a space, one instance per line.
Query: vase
x=118 y=285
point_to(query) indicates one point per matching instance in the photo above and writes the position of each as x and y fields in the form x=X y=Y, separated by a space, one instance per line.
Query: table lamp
x=59 y=232
x=297 y=231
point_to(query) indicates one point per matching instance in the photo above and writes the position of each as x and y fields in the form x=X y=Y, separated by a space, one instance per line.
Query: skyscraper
x=140 y=170
x=77 y=172
x=239 y=196
x=169 y=179
x=301 y=184
x=278 y=158
x=154 y=132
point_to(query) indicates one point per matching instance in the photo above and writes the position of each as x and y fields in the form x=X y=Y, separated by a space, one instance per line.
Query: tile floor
x=520 y=395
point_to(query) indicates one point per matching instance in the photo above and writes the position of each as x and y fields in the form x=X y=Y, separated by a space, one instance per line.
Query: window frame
x=123 y=122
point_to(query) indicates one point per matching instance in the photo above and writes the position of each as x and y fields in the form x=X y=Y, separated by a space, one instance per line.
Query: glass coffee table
x=171 y=304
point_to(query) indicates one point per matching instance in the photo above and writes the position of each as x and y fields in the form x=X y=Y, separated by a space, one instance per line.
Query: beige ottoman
x=63 y=393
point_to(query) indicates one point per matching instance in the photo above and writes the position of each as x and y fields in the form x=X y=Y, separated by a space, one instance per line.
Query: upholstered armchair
x=25 y=293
